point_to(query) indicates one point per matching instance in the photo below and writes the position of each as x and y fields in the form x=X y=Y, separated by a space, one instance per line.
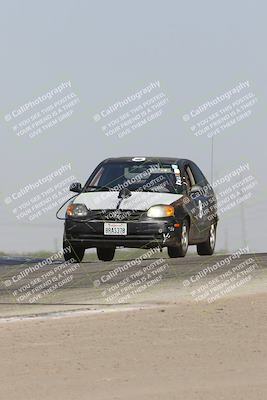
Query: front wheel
x=181 y=249
x=72 y=253
x=105 y=254
x=207 y=248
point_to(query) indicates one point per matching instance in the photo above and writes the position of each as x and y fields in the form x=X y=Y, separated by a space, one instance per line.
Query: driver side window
x=189 y=177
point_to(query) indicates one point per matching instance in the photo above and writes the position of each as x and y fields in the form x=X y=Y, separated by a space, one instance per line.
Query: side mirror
x=76 y=187
x=196 y=189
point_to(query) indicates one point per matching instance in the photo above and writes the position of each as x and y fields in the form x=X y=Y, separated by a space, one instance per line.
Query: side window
x=198 y=175
x=189 y=178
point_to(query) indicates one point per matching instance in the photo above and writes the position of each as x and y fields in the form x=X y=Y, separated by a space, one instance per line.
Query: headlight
x=160 y=211
x=77 y=210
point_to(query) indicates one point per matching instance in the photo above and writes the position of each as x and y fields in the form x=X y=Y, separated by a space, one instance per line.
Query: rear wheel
x=181 y=249
x=73 y=253
x=105 y=254
x=207 y=248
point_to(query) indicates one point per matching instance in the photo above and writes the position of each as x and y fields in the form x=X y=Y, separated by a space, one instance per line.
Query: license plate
x=115 y=228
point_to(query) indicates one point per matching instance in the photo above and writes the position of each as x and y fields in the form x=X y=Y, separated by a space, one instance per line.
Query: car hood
x=137 y=201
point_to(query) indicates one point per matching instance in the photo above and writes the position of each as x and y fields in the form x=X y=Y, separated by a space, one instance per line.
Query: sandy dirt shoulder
x=180 y=351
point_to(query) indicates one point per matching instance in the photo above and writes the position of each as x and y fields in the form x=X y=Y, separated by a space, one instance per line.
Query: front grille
x=115 y=215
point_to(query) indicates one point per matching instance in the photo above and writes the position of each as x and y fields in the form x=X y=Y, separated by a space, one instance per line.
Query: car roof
x=167 y=160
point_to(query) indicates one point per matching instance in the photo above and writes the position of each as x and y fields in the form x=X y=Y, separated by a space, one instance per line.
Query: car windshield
x=136 y=176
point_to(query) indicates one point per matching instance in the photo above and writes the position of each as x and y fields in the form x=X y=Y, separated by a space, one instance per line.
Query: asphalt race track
x=27 y=290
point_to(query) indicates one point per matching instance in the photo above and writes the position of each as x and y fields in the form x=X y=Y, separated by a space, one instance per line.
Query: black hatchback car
x=141 y=202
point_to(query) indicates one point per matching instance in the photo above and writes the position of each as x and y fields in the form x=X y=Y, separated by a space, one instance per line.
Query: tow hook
x=166 y=236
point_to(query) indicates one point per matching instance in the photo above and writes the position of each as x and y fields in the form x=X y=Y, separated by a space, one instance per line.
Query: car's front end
x=157 y=226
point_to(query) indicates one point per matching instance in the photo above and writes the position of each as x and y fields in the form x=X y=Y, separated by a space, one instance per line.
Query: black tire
x=182 y=246
x=105 y=254
x=207 y=248
x=73 y=253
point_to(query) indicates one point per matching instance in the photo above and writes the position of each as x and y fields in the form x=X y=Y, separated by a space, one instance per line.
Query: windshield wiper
x=154 y=191
x=97 y=187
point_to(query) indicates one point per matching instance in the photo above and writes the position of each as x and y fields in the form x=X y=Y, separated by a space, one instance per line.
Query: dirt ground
x=162 y=343
x=181 y=351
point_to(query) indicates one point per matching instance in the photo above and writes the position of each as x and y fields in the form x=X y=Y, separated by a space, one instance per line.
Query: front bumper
x=146 y=234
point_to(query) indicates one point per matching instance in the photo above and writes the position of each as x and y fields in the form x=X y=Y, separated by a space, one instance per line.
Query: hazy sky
x=109 y=50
